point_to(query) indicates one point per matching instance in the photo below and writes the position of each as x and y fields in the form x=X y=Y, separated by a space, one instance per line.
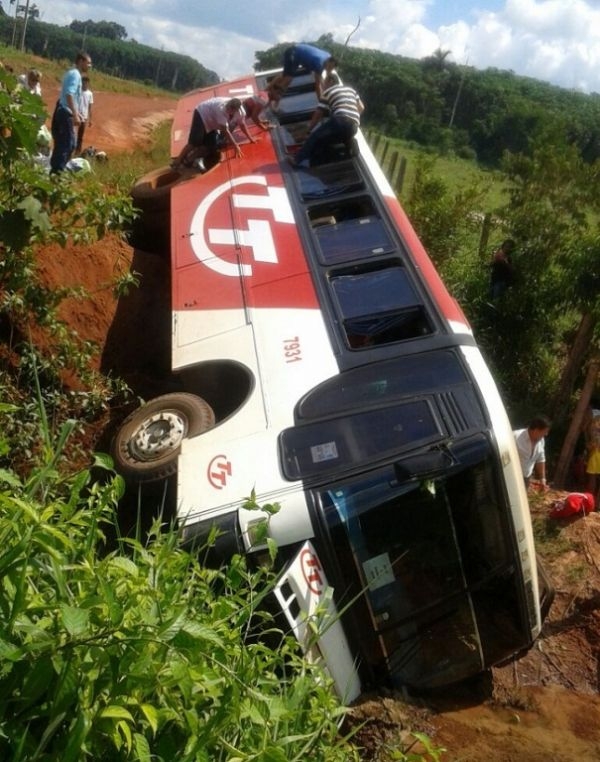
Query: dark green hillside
x=121 y=58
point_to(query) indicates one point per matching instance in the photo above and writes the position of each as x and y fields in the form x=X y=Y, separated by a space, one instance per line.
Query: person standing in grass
x=32 y=81
x=65 y=119
x=502 y=271
x=86 y=101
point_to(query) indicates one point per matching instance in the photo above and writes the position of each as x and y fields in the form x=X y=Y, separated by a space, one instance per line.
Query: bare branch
x=352 y=32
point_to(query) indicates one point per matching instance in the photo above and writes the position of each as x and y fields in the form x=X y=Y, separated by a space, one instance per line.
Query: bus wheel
x=147 y=445
x=151 y=232
x=152 y=191
x=151 y=196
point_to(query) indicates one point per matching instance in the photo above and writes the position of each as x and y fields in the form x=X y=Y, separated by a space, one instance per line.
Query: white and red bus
x=324 y=366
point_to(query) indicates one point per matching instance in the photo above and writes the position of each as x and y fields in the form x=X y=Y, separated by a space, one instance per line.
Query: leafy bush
x=35 y=209
x=140 y=653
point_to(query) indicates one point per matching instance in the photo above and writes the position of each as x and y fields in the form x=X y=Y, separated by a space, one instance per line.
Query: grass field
x=452 y=170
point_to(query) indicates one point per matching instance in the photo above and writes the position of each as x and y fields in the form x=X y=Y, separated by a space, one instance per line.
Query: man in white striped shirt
x=343 y=106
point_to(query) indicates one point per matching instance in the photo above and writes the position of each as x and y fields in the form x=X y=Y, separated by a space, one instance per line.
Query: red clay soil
x=544 y=707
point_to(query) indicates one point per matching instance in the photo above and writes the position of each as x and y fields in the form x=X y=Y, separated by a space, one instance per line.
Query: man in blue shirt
x=66 y=116
x=297 y=57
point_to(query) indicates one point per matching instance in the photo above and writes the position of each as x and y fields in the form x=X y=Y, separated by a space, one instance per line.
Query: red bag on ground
x=573 y=503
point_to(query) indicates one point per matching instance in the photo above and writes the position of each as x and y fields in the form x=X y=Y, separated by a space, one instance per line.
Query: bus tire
x=151 y=232
x=148 y=443
x=152 y=191
x=151 y=196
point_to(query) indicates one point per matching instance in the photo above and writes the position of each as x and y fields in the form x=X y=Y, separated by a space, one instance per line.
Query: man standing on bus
x=532 y=452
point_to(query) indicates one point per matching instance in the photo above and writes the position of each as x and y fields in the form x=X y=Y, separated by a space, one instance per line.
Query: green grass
x=452 y=170
x=549 y=538
x=120 y=175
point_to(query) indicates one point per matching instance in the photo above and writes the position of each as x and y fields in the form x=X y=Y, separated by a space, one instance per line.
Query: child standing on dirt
x=86 y=100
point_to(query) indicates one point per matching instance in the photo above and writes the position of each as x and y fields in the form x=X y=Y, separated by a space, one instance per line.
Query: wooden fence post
x=386 y=145
x=486 y=226
x=401 y=175
x=392 y=167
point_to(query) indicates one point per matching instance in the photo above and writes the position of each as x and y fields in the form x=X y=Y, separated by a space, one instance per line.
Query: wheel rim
x=158 y=435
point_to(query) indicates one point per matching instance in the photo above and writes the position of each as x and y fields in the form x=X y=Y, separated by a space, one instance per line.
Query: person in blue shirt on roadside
x=66 y=118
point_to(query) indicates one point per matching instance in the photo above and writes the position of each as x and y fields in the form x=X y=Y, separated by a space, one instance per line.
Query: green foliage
x=36 y=208
x=444 y=216
x=108 y=29
x=549 y=212
x=139 y=652
x=550 y=209
x=426 y=751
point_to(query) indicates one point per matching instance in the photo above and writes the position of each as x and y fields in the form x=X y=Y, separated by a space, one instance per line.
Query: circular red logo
x=312 y=571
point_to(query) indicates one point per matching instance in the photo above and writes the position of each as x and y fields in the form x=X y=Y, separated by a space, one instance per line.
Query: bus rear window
x=379 y=307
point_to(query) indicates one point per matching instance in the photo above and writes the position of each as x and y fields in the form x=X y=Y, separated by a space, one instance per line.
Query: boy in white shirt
x=86 y=101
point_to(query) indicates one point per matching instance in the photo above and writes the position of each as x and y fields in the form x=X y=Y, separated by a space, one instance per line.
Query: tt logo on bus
x=211 y=225
x=218 y=470
x=312 y=571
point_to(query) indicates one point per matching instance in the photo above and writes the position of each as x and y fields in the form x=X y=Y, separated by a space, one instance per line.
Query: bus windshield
x=434 y=561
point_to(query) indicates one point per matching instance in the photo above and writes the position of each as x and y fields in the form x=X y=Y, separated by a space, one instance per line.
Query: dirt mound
x=545 y=706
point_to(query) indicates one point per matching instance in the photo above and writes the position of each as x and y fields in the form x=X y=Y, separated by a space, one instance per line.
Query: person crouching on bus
x=255 y=107
x=211 y=117
x=296 y=59
x=343 y=106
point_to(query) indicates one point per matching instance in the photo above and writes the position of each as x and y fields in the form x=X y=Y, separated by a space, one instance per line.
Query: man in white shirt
x=86 y=100
x=532 y=451
x=211 y=118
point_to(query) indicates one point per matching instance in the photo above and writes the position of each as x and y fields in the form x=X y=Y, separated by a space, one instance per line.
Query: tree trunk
x=581 y=346
x=566 y=453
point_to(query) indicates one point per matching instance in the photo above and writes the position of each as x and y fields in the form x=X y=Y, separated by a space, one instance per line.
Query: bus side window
x=379 y=306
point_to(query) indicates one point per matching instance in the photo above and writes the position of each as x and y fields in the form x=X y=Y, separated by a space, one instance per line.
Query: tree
x=107 y=29
x=528 y=336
